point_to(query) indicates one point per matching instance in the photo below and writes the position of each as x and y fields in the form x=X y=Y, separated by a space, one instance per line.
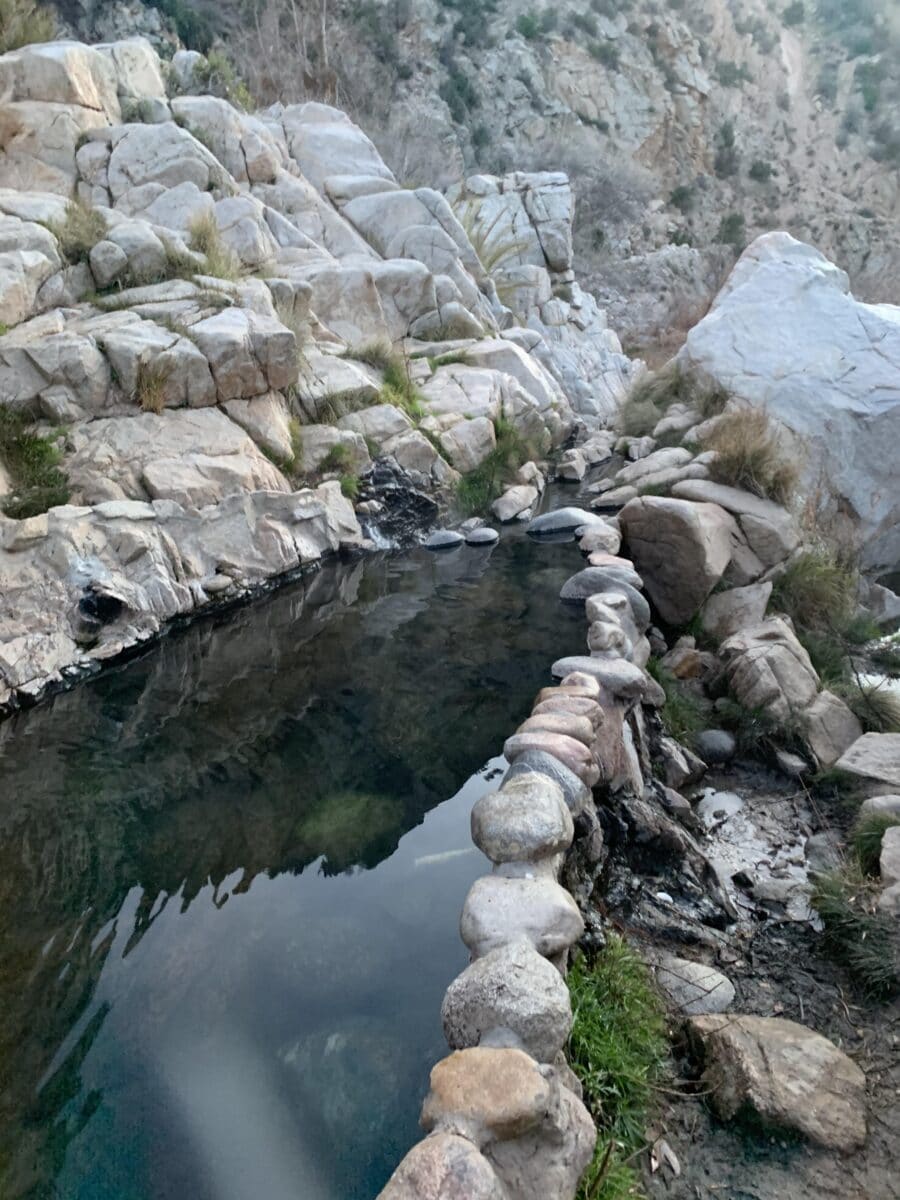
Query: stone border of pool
x=504 y=1117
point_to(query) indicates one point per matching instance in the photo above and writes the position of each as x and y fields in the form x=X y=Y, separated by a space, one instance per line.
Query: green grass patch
x=876 y=706
x=480 y=488
x=350 y=485
x=856 y=935
x=867 y=835
x=338 y=458
x=817 y=592
x=33 y=464
x=683 y=714
x=618 y=1048
x=397 y=387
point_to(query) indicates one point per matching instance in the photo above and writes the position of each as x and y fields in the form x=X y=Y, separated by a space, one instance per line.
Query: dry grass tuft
x=749 y=456
x=206 y=240
x=150 y=388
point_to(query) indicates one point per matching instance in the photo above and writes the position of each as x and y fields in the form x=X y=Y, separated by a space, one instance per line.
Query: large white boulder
x=785 y=334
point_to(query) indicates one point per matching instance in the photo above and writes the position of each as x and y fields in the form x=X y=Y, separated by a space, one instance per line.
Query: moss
x=618 y=1049
x=33 y=464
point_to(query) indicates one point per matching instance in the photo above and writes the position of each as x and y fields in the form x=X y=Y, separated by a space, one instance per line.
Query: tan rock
x=498 y=1093
x=791 y=1076
x=680 y=549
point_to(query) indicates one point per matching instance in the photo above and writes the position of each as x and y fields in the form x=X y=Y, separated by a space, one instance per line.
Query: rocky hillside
x=213 y=323
x=688 y=128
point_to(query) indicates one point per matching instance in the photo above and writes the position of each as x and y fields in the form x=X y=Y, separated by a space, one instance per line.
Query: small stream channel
x=231 y=873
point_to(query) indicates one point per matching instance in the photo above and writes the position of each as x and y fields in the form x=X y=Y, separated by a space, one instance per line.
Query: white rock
x=826 y=369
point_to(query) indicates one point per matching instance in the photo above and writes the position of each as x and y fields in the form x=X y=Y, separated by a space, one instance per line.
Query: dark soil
x=779 y=968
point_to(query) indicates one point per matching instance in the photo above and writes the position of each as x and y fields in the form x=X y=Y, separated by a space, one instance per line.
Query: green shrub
x=682 y=198
x=867 y=836
x=397 y=387
x=856 y=934
x=875 y=705
x=729 y=74
x=459 y=94
x=760 y=171
x=732 y=232
x=217 y=73
x=338 y=458
x=479 y=488
x=33 y=465
x=794 y=14
x=618 y=1049
x=606 y=53
x=193 y=27
x=22 y=23
x=529 y=26
x=683 y=714
x=79 y=232
x=748 y=456
x=726 y=158
x=869 y=77
x=816 y=591
x=350 y=485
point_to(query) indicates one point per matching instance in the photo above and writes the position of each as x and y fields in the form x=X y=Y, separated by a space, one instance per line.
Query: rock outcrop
x=826 y=370
x=215 y=316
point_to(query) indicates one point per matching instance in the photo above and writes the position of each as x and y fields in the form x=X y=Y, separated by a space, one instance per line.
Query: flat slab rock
x=790 y=1076
x=874 y=756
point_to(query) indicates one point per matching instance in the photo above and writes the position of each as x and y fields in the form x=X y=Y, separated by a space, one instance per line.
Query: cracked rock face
x=826 y=371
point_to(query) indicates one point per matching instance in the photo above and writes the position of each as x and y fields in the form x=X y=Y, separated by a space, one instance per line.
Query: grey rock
x=793 y=765
x=525 y=820
x=443 y=539
x=575 y=791
x=623 y=679
x=874 y=756
x=483 y=536
x=888 y=805
x=726 y=613
x=824 y=852
x=715 y=745
x=693 y=988
x=511 y=988
x=564 y=520
x=444 y=1166
x=569 y=751
x=591 y=580
x=498 y=911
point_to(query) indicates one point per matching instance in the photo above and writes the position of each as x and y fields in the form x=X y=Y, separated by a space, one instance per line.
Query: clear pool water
x=231 y=873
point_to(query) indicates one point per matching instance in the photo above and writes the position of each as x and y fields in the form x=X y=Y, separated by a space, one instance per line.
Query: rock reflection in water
x=161 y=1020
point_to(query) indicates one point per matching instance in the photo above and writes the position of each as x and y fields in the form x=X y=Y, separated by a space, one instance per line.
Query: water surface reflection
x=230 y=877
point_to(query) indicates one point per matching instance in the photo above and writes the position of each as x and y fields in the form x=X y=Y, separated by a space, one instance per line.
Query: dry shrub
x=748 y=456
